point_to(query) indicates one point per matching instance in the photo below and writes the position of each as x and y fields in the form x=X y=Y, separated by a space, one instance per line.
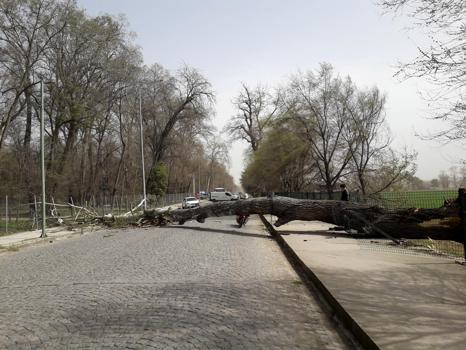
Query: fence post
x=70 y=200
x=36 y=217
x=462 y=199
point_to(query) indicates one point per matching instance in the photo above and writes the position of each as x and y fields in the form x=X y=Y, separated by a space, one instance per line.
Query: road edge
x=313 y=283
x=37 y=241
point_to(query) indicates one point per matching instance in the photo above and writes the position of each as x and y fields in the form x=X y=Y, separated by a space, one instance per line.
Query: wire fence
x=415 y=199
x=390 y=201
x=17 y=214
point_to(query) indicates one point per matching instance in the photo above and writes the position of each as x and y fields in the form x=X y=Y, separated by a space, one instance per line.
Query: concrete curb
x=313 y=282
x=29 y=242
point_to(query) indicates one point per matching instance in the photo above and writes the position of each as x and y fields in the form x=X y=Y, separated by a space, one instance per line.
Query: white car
x=190 y=202
x=222 y=196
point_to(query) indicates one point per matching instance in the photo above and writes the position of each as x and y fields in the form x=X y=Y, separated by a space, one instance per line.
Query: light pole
x=42 y=157
x=142 y=151
x=6 y=214
x=194 y=185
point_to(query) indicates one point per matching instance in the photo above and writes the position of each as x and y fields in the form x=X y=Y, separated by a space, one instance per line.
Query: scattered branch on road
x=131 y=212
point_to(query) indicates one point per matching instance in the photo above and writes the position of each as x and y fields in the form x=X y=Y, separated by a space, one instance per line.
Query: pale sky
x=266 y=41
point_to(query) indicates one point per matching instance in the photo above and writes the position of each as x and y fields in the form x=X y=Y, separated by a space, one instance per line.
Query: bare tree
x=319 y=102
x=26 y=29
x=376 y=166
x=256 y=109
x=442 y=61
x=217 y=154
x=93 y=74
x=454 y=180
x=82 y=83
x=444 y=179
x=168 y=101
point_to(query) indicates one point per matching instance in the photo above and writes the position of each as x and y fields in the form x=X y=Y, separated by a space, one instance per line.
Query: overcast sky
x=266 y=41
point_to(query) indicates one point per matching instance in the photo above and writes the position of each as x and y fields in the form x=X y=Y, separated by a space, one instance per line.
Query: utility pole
x=142 y=151
x=42 y=157
x=194 y=185
x=199 y=178
x=6 y=214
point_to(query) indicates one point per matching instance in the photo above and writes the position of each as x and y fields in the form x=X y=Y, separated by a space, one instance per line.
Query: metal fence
x=404 y=200
x=309 y=195
x=414 y=199
x=17 y=214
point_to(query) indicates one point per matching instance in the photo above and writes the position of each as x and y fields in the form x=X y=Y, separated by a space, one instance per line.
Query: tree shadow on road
x=330 y=234
x=228 y=232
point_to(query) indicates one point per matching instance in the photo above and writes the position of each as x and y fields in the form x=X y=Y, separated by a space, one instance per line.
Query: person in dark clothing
x=344 y=193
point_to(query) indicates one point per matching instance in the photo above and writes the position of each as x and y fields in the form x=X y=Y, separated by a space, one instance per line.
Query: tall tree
x=281 y=163
x=256 y=109
x=168 y=101
x=94 y=77
x=26 y=30
x=319 y=103
x=217 y=155
x=376 y=166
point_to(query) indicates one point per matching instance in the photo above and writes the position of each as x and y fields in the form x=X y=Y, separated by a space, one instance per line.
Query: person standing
x=344 y=193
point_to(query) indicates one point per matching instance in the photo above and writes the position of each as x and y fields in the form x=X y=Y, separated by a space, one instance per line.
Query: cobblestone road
x=208 y=286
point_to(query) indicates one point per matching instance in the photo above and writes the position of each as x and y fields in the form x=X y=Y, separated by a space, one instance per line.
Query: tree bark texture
x=442 y=223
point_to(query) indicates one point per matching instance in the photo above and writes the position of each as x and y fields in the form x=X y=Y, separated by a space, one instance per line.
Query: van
x=222 y=196
x=218 y=189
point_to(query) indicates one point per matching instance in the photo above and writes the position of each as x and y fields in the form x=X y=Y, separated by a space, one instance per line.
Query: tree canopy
x=326 y=131
x=95 y=86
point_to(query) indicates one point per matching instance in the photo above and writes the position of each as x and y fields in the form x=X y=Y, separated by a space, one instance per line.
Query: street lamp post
x=142 y=151
x=194 y=185
x=42 y=157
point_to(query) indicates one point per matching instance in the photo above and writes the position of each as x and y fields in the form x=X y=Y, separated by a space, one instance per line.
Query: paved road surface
x=209 y=286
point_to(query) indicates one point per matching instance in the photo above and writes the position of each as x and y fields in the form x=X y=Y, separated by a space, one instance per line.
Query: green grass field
x=415 y=199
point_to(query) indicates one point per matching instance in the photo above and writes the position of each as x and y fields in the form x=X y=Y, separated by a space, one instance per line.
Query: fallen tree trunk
x=441 y=223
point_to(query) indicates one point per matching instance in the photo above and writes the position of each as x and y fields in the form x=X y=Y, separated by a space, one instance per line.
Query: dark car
x=203 y=195
x=243 y=195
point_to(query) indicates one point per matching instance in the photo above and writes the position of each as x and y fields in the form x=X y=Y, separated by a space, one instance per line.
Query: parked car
x=203 y=194
x=243 y=195
x=190 y=202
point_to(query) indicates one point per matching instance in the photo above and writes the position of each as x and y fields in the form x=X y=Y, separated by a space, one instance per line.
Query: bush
x=157 y=182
